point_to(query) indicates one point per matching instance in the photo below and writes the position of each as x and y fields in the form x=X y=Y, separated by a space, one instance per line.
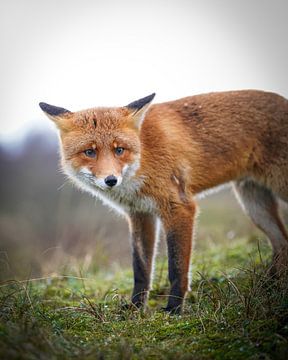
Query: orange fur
x=183 y=147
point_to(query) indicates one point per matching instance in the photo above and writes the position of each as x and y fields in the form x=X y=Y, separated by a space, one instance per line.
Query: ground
x=236 y=310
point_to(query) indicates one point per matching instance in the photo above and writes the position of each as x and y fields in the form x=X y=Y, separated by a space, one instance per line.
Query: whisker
x=62 y=186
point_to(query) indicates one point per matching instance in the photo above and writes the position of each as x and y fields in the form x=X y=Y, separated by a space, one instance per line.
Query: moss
x=235 y=311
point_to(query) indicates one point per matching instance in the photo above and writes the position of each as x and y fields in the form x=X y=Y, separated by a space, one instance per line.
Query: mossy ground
x=235 y=310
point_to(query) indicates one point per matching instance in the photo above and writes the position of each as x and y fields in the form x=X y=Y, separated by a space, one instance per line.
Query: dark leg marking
x=175 y=274
x=143 y=242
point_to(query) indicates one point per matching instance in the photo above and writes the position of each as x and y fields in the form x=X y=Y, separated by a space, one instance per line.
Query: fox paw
x=172 y=310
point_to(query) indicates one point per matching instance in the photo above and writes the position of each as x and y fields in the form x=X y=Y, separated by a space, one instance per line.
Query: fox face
x=100 y=147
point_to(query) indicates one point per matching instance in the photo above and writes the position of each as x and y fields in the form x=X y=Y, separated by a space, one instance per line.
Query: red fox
x=150 y=161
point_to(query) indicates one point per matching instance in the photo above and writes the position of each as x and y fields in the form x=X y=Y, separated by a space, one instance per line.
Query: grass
x=235 y=310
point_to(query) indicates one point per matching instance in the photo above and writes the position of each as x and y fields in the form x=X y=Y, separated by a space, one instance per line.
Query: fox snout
x=107 y=182
x=111 y=180
x=103 y=182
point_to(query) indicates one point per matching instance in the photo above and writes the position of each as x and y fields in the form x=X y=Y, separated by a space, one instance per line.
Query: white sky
x=79 y=54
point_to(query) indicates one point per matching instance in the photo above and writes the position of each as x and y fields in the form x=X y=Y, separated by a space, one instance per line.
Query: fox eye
x=90 y=153
x=119 y=151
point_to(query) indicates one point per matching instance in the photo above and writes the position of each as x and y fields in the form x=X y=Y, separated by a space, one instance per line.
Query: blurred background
x=92 y=53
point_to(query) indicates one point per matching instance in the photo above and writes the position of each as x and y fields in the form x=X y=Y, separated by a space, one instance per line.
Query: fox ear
x=138 y=109
x=56 y=114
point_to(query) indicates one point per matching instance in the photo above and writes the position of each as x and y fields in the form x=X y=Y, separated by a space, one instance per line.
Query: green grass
x=235 y=310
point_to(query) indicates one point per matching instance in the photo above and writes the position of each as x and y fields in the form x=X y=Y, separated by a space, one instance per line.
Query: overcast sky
x=79 y=54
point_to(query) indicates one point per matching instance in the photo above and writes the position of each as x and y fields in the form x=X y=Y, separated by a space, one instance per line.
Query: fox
x=150 y=161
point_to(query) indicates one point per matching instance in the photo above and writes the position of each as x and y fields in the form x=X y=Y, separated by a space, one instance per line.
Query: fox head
x=100 y=147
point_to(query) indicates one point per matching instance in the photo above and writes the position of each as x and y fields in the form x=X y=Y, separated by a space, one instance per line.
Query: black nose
x=111 y=180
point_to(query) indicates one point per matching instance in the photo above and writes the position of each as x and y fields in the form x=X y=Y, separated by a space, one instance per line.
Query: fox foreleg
x=143 y=236
x=179 y=231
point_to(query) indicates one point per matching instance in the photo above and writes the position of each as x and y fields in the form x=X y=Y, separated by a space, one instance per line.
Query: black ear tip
x=46 y=107
x=138 y=104
x=52 y=110
x=42 y=105
x=150 y=97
